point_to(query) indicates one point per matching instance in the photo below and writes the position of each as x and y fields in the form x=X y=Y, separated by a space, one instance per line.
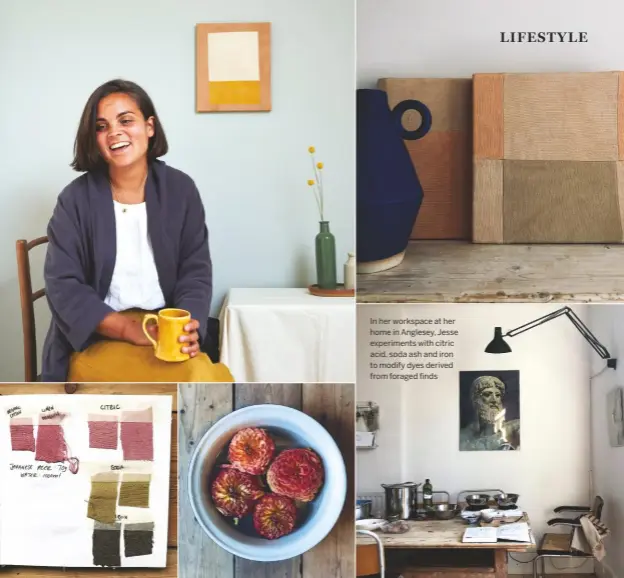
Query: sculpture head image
x=489 y=410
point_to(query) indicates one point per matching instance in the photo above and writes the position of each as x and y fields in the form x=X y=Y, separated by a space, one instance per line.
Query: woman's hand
x=118 y=326
x=191 y=340
x=133 y=332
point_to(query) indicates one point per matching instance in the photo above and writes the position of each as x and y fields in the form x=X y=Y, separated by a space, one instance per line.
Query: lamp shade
x=498 y=344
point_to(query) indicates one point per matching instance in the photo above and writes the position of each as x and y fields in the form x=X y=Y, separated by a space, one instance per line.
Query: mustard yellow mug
x=171 y=324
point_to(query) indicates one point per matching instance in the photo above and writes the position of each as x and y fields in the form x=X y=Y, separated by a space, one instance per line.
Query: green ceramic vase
x=325 y=258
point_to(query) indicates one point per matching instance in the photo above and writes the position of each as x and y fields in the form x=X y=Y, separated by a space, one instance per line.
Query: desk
x=171 y=571
x=433 y=540
x=201 y=405
x=288 y=336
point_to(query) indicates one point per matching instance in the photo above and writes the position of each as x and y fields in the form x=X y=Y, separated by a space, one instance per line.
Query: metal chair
x=367 y=565
x=27 y=300
x=560 y=545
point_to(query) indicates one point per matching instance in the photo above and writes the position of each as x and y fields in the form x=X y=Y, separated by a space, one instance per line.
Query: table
x=288 y=336
x=463 y=272
x=201 y=405
x=431 y=540
x=171 y=571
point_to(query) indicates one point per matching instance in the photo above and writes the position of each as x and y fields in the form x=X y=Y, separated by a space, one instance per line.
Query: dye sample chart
x=86 y=479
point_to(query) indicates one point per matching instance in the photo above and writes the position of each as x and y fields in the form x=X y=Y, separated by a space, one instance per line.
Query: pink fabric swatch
x=103 y=435
x=137 y=441
x=51 y=446
x=22 y=437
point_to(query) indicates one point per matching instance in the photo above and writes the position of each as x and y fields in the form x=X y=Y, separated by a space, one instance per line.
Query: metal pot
x=445 y=511
x=363 y=509
x=400 y=500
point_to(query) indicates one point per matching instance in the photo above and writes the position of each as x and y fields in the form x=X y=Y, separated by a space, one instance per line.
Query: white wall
x=607 y=322
x=457 y=38
x=251 y=168
x=419 y=420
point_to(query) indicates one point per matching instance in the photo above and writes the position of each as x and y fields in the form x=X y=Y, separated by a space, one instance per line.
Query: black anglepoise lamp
x=499 y=345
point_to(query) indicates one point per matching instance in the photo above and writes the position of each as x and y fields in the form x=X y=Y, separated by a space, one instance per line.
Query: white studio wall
x=251 y=168
x=451 y=38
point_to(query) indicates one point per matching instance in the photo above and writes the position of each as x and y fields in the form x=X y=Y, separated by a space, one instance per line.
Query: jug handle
x=426 y=119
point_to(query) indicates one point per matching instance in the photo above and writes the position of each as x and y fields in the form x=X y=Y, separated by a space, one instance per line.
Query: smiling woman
x=127 y=237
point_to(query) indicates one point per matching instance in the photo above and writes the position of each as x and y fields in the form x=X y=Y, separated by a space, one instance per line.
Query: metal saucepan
x=477 y=499
x=363 y=509
x=401 y=500
x=445 y=511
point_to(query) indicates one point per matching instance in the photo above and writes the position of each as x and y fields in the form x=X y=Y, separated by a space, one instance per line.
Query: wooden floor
x=462 y=272
x=203 y=404
x=171 y=571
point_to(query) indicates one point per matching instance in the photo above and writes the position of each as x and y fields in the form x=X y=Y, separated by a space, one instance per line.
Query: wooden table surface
x=171 y=571
x=463 y=272
x=201 y=405
x=440 y=534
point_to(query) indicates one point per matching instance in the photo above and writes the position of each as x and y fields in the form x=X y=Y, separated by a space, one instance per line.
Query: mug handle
x=425 y=126
x=148 y=317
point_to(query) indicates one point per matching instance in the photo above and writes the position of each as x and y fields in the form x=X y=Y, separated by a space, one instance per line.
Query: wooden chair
x=27 y=300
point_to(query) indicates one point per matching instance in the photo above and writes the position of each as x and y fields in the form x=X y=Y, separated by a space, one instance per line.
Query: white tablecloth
x=288 y=336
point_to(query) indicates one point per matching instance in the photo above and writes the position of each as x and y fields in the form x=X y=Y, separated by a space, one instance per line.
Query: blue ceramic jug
x=389 y=193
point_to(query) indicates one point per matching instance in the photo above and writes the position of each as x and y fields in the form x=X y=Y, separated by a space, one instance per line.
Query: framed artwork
x=489 y=410
x=233 y=67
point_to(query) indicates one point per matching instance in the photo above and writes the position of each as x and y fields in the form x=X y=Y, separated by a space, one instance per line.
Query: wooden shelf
x=463 y=272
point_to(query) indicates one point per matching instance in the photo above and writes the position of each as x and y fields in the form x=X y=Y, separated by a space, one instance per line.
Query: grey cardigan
x=81 y=257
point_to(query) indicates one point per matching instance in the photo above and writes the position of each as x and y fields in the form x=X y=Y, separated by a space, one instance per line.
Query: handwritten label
x=120 y=517
x=110 y=407
x=49 y=408
x=117 y=468
x=54 y=471
x=14 y=411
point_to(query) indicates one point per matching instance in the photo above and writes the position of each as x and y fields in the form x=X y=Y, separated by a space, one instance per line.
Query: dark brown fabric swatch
x=138 y=540
x=106 y=545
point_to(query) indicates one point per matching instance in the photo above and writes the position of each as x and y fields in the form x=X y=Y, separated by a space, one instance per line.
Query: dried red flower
x=274 y=516
x=235 y=492
x=251 y=450
x=297 y=474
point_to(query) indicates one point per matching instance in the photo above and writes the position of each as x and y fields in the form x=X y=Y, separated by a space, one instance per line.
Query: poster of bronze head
x=489 y=410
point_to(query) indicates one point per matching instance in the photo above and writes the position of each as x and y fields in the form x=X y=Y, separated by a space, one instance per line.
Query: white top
x=135 y=280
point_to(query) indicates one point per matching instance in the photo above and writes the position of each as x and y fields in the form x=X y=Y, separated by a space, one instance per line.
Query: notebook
x=518 y=532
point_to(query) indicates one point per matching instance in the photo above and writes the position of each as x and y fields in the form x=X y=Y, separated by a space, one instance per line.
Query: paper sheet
x=46 y=507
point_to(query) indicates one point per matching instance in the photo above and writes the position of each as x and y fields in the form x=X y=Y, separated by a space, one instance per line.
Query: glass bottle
x=427 y=495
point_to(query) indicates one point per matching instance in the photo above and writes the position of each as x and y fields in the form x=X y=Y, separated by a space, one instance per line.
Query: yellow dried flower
x=310 y=182
x=311 y=150
x=319 y=165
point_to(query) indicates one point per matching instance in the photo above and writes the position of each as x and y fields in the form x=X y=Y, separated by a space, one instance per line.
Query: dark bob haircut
x=86 y=153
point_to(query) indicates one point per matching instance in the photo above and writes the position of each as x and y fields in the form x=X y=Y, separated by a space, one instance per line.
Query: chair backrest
x=597 y=507
x=27 y=301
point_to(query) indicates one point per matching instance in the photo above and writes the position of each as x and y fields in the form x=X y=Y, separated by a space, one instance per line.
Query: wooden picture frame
x=233 y=67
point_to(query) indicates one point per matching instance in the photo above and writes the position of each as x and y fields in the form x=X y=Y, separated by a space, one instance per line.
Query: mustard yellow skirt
x=118 y=361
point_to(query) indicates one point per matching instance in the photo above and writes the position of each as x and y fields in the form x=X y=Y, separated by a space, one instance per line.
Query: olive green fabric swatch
x=103 y=500
x=134 y=491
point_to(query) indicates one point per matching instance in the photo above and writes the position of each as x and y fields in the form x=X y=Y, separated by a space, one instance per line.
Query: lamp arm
x=573 y=317
x=536 y=322
x=588 y=335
